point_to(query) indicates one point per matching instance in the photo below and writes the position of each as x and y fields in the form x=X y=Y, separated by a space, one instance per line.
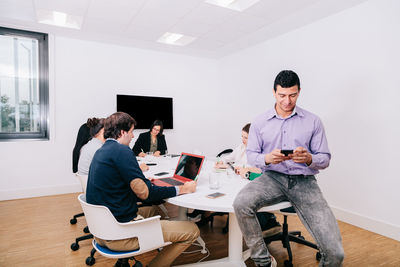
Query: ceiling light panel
x=175 y=39
x=70 y=7
x=238 y=5
x=60 y=19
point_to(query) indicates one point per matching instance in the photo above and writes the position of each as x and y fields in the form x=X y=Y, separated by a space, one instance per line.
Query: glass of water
x=215 y=179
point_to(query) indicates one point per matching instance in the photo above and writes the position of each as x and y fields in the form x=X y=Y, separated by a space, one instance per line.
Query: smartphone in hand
x=286 y=152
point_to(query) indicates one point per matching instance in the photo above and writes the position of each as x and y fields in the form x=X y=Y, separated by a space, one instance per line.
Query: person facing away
x=82 y=138
x=288 y=177
x=116 y=181
x=152 y=141
x=96 y=130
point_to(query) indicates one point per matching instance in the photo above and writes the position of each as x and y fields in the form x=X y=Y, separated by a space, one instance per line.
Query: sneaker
x=272 y=263
x=272 y=231
x=195 y=216
x=194 y=219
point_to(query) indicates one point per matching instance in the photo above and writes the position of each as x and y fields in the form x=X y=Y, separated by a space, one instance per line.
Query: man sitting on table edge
x=116 y=181
x=290 y=176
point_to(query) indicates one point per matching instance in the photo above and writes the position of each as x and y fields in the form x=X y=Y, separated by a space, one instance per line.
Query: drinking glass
x=215 y=179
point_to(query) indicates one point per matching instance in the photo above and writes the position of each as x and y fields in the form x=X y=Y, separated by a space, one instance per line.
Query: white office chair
x=83 y=180
x=103 y=225
x=75 y=246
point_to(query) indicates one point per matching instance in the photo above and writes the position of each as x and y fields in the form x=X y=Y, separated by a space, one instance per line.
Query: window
x=24 y=85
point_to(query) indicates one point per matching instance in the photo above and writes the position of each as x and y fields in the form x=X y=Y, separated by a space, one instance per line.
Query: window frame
x=43 y=78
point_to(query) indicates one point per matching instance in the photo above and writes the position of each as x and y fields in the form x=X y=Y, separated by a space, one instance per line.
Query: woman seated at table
x=238 y=158
x=152 y=141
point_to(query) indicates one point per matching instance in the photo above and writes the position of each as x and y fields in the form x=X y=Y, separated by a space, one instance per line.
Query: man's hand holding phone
x=301 y=155
x=276 y=157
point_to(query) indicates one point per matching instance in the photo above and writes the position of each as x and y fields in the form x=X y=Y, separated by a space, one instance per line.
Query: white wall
x=348 y=66
x=86 y=76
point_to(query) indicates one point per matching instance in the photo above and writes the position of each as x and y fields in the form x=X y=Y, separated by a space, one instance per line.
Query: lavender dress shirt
x=302 y=128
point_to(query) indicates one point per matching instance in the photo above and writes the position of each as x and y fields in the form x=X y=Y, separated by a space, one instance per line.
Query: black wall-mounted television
x=146 y=109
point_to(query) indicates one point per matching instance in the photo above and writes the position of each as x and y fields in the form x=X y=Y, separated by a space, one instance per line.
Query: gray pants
x=311 y=207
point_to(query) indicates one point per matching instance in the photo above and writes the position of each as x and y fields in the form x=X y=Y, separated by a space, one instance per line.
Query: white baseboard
x=40 y=191
x=370 y=224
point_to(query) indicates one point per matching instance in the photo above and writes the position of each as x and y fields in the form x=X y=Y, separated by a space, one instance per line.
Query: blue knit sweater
x=113 y=168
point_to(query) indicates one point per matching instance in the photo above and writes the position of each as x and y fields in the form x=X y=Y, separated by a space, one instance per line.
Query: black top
x=81 y=139
x=112 y=169
x=144 y=140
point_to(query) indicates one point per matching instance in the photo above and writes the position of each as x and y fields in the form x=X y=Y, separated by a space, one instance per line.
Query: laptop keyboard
x=171 y=181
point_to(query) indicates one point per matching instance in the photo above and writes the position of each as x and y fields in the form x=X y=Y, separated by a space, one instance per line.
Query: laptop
x=187 y=169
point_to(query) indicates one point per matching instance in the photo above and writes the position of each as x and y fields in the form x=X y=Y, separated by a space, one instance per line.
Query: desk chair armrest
x=102 y=224
x=142 y=229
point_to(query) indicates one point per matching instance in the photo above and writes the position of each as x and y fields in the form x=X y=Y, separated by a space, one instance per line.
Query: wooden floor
x=37 y=232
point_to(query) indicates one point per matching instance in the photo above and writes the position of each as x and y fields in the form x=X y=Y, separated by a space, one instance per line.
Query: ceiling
x=139 y=23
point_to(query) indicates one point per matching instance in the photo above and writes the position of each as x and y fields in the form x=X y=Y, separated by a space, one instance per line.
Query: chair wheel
x=288 y=263
x=302 y=237
x=225 y=230
x=74 y=246
x=318 y=256
x=137 y=264
x=86 y=230
x=73 y=221
x=90 y=261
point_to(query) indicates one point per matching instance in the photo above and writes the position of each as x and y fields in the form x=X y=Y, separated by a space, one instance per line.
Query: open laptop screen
x=189 y=166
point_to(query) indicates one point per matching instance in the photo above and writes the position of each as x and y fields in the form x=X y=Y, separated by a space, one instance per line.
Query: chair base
x=75 y=246
x=123 y=262
x=73 y=220
x=286 y=237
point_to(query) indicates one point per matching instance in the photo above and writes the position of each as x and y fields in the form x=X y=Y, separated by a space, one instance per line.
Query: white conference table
x=231 y=184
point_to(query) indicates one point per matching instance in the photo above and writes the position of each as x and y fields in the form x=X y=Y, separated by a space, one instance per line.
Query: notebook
x=187 y=169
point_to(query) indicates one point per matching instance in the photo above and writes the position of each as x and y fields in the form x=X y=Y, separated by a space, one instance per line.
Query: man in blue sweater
x=117 y=182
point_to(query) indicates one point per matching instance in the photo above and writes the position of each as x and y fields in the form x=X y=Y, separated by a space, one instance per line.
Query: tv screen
x=146 y=109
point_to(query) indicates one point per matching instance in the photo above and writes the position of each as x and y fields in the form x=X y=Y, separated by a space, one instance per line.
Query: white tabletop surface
x=230 y=185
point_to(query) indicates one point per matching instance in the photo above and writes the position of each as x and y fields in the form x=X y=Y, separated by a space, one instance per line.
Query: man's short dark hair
x=117 y=122
x=286 y=79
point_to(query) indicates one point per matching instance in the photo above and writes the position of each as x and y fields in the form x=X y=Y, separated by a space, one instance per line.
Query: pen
x=142 y=150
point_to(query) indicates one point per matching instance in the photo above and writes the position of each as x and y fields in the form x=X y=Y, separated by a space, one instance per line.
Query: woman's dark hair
x=117 y=122
x=246 y=128
x=286 y=79
x=95 y=125
x=157 y=123
x=81 y=139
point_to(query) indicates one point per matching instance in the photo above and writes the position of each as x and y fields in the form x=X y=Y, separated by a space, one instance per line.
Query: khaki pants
x=181 y=233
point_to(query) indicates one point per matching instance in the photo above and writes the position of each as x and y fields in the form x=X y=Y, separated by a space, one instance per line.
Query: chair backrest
x=226 y=151
x=102 y=224
x=83 y=180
